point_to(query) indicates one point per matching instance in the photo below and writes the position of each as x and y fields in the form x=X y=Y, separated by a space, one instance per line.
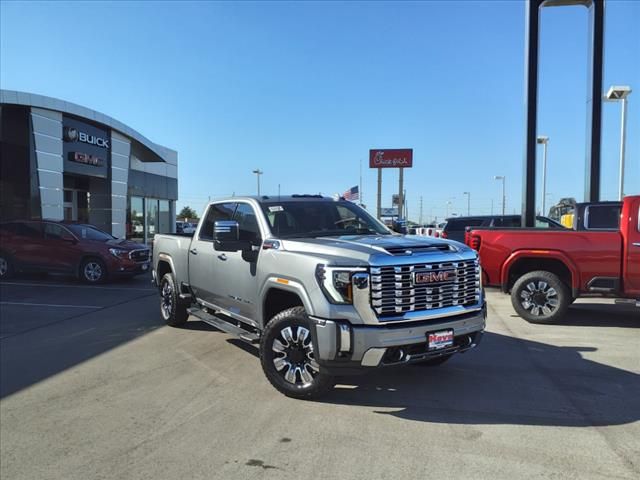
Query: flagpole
x=360 y=186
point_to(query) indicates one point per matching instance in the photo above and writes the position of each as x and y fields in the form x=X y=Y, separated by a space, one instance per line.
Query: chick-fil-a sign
x=391 y=158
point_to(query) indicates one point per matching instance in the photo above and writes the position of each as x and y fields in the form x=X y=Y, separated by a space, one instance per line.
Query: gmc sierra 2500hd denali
x=322 y=286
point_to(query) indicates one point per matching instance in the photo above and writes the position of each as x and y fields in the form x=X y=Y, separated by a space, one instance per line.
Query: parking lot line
x=24 y=284
x=48 y=305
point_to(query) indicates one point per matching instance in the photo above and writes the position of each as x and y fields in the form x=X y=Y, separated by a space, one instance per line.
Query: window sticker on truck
x=276 y=208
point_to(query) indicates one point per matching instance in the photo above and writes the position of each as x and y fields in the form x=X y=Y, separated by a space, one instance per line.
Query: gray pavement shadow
x=504 y=381
x=27 y=358
x=598 y=315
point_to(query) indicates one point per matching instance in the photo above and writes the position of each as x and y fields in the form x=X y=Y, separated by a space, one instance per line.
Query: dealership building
x=62 y=161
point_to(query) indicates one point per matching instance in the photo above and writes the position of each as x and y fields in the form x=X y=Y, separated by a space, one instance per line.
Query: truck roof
x=282 y=198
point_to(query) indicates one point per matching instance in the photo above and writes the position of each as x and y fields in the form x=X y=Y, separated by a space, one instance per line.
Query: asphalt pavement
x=93 y=386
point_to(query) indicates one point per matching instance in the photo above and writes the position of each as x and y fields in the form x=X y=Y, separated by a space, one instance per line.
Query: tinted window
x=507 y=222
x=247 y=223
x=459 y=224
x=322 y=218
x=603 y=217
x=55 y=232
x=216 y=212
x=29 y=230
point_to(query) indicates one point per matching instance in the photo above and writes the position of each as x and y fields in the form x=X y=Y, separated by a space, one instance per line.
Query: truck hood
x=380 y=249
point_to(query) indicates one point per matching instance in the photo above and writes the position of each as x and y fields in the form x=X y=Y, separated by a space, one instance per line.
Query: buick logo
x=70 y=134
x=431 y=277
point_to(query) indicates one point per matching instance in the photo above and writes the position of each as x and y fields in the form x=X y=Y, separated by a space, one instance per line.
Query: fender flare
x=288 y=285
x=539 y=253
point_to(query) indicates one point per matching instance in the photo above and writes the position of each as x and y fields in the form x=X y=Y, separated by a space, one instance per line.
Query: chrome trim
x=345 y=338
x=361 y=302
x=228 y=313
x=140 y=250
x=372 y=357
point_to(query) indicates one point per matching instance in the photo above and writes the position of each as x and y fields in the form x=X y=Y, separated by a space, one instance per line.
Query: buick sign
x=72 y=134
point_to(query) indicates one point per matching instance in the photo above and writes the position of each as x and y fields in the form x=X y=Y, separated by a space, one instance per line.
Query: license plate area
x=439 y=340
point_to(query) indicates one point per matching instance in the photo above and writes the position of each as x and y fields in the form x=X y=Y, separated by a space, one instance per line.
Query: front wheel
x=6 y=269
x=288 y=357
x=173 y=313
x=540 y=297
x=93 y=270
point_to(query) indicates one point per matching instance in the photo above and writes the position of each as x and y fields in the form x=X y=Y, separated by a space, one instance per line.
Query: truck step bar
x=224 y=325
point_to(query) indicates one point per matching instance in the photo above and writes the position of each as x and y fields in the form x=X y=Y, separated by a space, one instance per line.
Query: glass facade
x=146 y=217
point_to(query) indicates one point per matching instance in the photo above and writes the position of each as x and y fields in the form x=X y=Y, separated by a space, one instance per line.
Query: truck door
x=238 y=269
x=632 y=258
x=204 y=262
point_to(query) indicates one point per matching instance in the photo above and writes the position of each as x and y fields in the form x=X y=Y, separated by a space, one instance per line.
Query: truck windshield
x=291 y=219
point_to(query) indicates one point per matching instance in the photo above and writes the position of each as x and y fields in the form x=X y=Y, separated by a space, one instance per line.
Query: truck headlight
x=118 y=252
x=335 y=282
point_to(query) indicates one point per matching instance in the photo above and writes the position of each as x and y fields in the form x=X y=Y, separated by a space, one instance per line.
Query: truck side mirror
x=226 y=237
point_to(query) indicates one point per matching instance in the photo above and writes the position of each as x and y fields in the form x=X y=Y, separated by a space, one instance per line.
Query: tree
x=187 y=212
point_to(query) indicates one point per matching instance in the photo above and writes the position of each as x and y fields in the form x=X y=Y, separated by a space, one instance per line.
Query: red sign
x=391 y=158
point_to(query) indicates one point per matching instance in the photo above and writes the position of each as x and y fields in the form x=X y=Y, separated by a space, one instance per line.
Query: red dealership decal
x=391 y=158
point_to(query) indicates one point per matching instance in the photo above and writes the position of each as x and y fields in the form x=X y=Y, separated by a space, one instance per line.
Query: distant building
x=63 y=161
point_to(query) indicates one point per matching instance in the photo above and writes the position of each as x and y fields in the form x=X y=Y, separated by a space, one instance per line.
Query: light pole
x=504 y=198
x=468 y=194
x=258 y=172
x=449 y=202
x=544 y=141
x=614 y=94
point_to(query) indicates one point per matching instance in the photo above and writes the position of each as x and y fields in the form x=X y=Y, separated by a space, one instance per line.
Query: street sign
x=389 y=212
x=391 y=158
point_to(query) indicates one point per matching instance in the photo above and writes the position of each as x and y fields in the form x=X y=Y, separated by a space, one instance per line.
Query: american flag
x=352 y=194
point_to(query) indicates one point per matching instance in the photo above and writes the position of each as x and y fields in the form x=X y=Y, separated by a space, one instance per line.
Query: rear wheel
x=173 y=313
x=288 y=357
x=540 y=297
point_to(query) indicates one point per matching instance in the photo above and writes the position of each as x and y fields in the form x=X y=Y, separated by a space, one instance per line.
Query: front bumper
x=343 y=346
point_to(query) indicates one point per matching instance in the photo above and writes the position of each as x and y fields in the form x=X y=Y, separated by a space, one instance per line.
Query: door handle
x=636 y=244
x=222 y=256
x=193 y=251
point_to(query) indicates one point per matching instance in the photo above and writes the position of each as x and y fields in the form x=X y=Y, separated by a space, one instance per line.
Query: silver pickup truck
x=322 y=286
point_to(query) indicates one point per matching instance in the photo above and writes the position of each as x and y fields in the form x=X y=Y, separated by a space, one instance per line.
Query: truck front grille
x=425 y=286
x=141 y=255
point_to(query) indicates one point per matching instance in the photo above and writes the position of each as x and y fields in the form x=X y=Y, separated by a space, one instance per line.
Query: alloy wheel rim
x=539 y=298
x=167 y=299
x=294 y=357
x=4 y=267
x=93 y=271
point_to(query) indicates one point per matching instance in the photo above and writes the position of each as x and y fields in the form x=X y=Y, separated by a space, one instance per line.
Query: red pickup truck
x=546 y=270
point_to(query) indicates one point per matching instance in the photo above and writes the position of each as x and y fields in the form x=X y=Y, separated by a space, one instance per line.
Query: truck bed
x=176 y=247
x=588 y=254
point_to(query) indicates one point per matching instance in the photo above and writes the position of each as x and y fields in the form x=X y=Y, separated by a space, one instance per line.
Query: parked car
x=322 y=286
x=454 y=228
x=547 y=270
x=185 y=228
x=65 y=247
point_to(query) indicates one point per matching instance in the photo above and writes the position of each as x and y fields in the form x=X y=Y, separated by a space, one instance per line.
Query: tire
x=6 y=266
x=173 y=313
x=93 y=271
x=540 y=297
x=433 y=362
x=288 y=359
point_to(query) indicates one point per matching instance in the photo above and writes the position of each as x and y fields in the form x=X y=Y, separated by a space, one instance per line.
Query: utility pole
x=468 y=194
x=504 y=197
x=401 y=194
x=258 y=172
x=420 y=221
x=360 y=185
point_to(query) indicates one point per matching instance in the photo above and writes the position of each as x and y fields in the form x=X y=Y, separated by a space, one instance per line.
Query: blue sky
x=304 y=90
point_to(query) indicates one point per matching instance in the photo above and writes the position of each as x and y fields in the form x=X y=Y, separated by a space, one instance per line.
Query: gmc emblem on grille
x=431 y=277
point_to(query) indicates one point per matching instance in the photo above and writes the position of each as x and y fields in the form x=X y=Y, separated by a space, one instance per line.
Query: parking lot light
x=615 y=94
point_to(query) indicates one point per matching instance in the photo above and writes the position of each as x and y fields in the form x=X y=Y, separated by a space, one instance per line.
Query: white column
x=47 y=138
x=120 y=152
